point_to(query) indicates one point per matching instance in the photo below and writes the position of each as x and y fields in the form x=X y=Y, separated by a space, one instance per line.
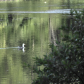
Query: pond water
x=34 y=23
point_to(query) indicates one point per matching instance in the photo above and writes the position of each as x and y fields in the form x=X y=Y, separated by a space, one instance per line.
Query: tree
x=65 y=64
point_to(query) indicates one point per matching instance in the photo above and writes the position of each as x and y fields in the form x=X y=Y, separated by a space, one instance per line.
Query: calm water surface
x=33 y=23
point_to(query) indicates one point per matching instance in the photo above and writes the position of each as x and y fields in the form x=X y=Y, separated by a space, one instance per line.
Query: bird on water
x=23 y=46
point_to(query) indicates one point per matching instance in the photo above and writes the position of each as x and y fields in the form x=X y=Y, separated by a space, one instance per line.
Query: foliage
x=65 y=64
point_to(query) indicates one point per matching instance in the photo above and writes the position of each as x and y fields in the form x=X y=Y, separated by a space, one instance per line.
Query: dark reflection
x=58 y=35
x=25 y=21
x=69 y=21
x=10 y=18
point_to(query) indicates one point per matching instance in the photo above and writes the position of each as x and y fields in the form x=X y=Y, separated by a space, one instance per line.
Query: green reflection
x=33 y=30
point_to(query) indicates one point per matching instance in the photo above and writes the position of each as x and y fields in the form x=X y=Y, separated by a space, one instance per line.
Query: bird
x=23 y=46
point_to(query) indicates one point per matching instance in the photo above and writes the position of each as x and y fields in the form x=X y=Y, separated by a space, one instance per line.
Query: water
x=35 y=24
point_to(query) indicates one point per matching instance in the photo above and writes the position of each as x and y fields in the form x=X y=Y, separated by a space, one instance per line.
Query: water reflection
x=25 y=21
x=10 y=18
x=34 y=34
x=23 y=50
x=17 y=48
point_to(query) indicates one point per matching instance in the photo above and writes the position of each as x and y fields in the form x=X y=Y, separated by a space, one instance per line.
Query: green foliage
x=65 y=64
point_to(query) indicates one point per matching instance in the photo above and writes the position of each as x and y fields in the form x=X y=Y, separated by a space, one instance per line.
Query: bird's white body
x=23 y=45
